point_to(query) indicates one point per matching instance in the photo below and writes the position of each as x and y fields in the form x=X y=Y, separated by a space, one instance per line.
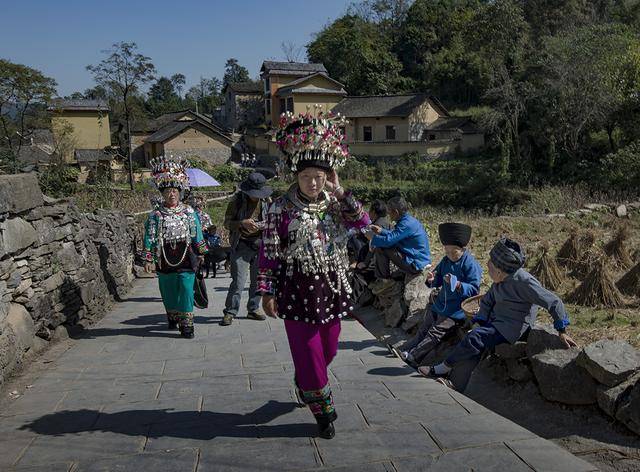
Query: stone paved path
x=132 y=396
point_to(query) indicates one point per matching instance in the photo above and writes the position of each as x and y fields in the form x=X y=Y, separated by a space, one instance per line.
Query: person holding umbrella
x=244 y=218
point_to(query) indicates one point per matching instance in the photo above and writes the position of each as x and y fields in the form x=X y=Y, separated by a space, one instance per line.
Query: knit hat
x=169 y=172
x=455 y=234
x=507 y=256
x=306 y=140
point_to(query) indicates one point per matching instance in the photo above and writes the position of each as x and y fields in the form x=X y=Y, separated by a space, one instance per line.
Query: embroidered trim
x=320 y=401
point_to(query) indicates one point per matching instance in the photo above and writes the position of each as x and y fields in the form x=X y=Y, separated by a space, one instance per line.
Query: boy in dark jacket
x=507 y=311
x=458 y=275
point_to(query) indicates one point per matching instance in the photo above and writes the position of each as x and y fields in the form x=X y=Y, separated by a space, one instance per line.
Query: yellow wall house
x=306 y=92
x=184 y=133
x=284 y=77
x=189 y=135
x=393 y=125
x=80 y=125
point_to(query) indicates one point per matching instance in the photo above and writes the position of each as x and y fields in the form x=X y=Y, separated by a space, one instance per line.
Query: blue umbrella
x=199 y=178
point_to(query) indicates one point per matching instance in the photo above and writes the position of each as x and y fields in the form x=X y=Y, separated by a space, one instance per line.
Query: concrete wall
x=192 y=143
x=302 y=101
x=137 y=148
x=59 y=268
x=421 y=117
x=355 y=128
x=90 y=128
x=424 y=149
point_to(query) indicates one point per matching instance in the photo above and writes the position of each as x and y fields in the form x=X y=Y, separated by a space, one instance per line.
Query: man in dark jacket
x=244 y=219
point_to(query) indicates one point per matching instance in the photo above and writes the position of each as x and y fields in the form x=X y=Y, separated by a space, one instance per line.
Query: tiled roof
x=291 y=67
x=79 y=105
x=92 y=155
x=385 y=105
x=464 y=124
x=246 y=87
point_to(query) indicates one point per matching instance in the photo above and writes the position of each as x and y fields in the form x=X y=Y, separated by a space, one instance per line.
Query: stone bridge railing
x=59 y=268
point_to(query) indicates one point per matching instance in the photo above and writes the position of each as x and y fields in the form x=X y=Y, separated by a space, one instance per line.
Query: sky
x=195 y=38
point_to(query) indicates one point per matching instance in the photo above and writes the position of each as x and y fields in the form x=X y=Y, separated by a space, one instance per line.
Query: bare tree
x=123 y=72
x=292 y=53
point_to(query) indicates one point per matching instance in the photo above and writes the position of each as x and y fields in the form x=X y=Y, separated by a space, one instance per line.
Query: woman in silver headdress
x=174 y=243
x=303 y=261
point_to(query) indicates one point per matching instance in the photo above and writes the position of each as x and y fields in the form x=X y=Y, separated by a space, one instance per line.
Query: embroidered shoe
x=227 y=319
x=187 y=332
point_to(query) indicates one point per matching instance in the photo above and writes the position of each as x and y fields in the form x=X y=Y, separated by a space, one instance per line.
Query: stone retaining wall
x=59 y=268
x=606 y=372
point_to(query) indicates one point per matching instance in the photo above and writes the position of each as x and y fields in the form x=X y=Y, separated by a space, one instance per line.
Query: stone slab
x=167 y=461
x=545 y=456
x=19 y=193
x=492 y=457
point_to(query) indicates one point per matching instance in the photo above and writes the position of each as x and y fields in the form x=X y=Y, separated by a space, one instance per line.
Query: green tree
x=588 y=80
x=437 y=52
x=123 y=72
x=162 y=97
x=178 y=81
x=356 y=53
x=501 y=38
x=96 y=93
x=234 y=72
x=205 y=96
x=23 y=92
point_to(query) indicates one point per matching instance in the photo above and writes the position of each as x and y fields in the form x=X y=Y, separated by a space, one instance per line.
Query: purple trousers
x=313 y=347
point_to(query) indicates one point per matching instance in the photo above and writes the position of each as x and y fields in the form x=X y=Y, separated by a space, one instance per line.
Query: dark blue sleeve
x=472 y=271
x=536 y=294
x=437 y=280
x=487 y=302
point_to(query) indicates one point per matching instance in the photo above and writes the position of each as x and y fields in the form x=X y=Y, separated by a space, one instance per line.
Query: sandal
x=427 y=371
x=446 y=382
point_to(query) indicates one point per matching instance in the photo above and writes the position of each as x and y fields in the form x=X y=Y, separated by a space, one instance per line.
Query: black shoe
x=173 y=324
x=187 y=332
x=326 y=430
x=227 y=319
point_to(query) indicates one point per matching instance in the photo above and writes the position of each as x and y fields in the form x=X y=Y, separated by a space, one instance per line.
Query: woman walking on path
x=303 y=257
x=173 y=242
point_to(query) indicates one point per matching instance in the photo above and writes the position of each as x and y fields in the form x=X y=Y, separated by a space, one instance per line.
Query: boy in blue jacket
x=507 y=311
x=458 y=275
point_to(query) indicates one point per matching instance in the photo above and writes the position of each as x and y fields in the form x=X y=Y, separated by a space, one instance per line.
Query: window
x=266 y=85
x=267 y=105
x=391 y=133
x=367 y=134
x=290 y=104
x=283 y=105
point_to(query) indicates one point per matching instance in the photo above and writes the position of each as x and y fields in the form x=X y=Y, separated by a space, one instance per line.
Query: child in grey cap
x=507 y=311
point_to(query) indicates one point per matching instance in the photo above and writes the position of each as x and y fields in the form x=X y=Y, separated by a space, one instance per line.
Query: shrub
x=59 y=180
x=621 y=170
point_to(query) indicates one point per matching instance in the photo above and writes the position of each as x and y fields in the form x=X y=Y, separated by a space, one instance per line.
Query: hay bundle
x=617 y=249
x=598 y=288
x=629 y=284
x=547 y=270
x=569 y=250
x=636 y=255
x=586 y=257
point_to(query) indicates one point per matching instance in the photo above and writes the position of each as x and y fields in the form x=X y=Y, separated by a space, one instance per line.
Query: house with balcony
x=296 y=87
